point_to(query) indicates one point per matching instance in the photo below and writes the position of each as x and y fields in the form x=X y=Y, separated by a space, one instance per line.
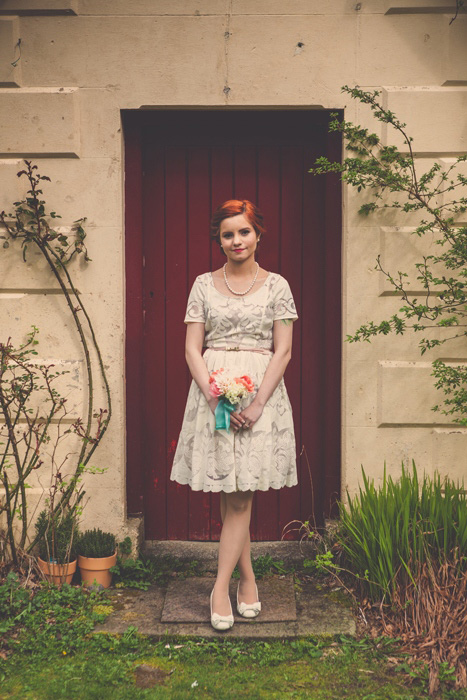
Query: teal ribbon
x=223 y=410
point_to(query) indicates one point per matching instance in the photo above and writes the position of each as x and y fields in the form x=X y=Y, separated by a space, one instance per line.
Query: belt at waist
x=239 y=347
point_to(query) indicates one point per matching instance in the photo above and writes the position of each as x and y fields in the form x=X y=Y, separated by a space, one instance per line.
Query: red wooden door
x=179 y=166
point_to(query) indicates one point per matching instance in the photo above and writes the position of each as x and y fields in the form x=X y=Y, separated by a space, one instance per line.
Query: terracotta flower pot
x=57 y=573
x=97 y=568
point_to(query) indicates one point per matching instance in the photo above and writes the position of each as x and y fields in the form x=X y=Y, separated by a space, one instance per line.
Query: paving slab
x=316 y=611
x=277 y=598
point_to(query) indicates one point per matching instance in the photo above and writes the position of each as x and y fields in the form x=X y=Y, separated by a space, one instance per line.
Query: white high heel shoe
x=249 y=609
x=221 y=622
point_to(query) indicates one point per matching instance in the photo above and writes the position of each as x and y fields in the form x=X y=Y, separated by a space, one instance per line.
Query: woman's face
x=238 y=237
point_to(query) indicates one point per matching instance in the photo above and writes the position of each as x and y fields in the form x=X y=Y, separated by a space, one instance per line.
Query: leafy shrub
x=387 y=534
x=57 y=533
x=96 y=543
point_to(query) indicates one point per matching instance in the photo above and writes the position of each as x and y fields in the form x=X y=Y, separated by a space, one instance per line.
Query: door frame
x=133 y=123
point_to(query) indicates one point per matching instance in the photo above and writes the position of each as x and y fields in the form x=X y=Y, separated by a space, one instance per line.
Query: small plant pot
x=96 y=568
x=57 y=573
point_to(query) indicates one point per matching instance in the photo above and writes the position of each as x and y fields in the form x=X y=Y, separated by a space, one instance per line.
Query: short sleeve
x=195 y=309
x=284 y=305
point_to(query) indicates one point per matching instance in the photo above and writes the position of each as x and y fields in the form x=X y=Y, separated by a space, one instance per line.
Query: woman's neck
x=241 y=269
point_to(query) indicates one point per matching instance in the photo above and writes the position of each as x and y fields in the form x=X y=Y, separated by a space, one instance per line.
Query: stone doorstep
x=277 y=598
x=316 y=614
x=290 y=552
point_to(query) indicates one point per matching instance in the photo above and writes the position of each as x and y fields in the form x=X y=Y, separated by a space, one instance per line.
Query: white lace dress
x=263 y=456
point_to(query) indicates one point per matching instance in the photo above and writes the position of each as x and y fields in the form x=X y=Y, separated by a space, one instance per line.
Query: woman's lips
x=238 y=250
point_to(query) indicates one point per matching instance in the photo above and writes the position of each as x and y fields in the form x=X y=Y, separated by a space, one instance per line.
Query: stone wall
x=82 y=61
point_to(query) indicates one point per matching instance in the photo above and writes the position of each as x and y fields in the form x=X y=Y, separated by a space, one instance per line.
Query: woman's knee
x=239 y=501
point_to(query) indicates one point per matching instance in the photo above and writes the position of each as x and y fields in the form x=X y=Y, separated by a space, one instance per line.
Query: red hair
x=232 y=207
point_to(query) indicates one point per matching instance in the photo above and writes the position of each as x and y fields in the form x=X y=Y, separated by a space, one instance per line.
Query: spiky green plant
x=387 y=533
x=95 y=543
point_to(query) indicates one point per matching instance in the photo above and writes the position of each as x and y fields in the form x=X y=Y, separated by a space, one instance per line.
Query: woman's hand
x=212 y=403
x=246 y=418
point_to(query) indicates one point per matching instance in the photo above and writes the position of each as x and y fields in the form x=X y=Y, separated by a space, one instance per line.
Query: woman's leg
x=235 y=532
x=247 y=588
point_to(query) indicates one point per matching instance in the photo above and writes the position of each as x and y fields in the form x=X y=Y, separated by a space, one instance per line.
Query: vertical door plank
x=245 y=173
x=176 y=261
x=292 y=174
x=314 y=355
x=134 y=379
x=155 y=385
x=268 y=200
x=198 y=245
x=333 y=328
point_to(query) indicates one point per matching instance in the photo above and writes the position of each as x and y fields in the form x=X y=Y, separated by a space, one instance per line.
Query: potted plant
x=97 y=553
x=57 y=544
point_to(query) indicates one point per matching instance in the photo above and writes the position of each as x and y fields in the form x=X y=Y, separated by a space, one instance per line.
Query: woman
x=242 y=314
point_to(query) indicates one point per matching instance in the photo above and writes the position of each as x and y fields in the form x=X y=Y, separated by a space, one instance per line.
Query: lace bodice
x=245 y=320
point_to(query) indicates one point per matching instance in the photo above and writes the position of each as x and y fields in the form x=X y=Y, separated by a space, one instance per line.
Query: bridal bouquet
x=230 y=390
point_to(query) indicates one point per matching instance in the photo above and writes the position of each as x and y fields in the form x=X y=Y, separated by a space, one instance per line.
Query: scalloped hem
x=240 y=488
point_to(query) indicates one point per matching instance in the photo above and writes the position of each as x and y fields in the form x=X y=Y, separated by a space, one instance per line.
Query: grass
x=181 y=668
x=50 y=653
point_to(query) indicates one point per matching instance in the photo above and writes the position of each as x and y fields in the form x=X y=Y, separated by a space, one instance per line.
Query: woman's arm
x=282 y=333
x=196 y=364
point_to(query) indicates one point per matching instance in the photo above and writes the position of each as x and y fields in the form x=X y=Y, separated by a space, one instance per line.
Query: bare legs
x=234 y=546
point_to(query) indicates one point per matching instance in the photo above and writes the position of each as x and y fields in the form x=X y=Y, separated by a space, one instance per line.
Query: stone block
x=290 y=73
x=101 y=125
x=420 y=7
x=372 y=447
x=34 y=276
x=360 y=394
x=39 y=7
x=360 y=309
x=304 y=7
x=457 y=52
x=400 y=250
x=150 y=8
x=55 y=51
x=460 y=191
x=433 y=117
x=406 y=393
x=39 y=121
x=449 y=453
x=10 y=75
x=414 y=46
x=362 y=244
x=87 y=187
x=277 y=600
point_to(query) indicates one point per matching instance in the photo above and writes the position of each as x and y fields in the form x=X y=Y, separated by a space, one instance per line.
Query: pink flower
x=214 y=389
x=247 y=382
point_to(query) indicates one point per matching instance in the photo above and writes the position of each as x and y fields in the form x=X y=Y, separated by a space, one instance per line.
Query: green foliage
x=57 y=534
x=49 y=623
x=387 y=533
x=96 y=543
x=50 y=645
x=264 y=565
x=389 y=179
x=132 y=573
x=13 y=601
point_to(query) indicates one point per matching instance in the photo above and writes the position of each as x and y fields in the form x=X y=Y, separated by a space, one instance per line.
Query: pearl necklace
x=247 y=290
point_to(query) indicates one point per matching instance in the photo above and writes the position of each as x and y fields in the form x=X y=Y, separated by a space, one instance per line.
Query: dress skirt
x=257 y=458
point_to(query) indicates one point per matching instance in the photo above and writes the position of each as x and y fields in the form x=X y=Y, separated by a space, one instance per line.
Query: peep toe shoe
x=249 y=609
x=221 y=622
